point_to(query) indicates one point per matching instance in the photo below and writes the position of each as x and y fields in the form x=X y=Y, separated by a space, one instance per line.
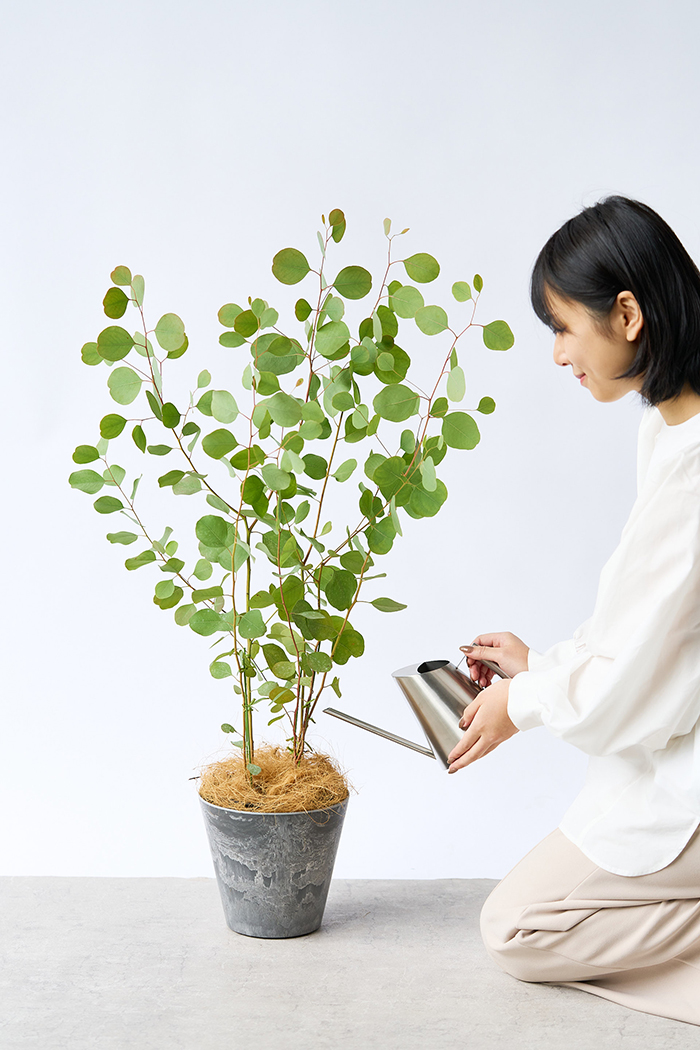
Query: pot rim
x=275 y=812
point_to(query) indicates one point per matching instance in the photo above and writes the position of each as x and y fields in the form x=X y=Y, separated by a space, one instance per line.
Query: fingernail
x=466 y=648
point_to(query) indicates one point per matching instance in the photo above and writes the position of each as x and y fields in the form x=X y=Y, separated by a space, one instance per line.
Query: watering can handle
x=494 y=667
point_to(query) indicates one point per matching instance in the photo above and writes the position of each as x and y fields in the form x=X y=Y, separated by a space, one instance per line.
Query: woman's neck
x=680 y=408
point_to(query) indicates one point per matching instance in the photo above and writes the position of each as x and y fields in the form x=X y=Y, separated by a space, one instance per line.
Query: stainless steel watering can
x=438 y=693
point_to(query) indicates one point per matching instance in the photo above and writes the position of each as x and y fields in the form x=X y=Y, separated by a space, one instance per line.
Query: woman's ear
x=629 y=316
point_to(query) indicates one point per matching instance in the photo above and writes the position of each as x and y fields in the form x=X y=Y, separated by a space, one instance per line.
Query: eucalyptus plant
x=280 y=569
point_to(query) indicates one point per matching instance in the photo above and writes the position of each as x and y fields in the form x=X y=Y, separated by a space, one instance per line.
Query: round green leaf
x=171 y=416
x=251 y=624
x=115 y=302
x=345 y=470
x=280 y=346
x=341 y=589
x=380 y=536
x=290 y=266
x=319 y=662
x=406 y=300
x=246 y=323
x=121 y=275
x=331 y=336
x=223 y=406
x=90 y=355
x=389 y=476
x=220 y=669
x=486 y=405
x=353 y=282
x=498 y=336
x=478 y=283
x=219 y=443
x=284 y=409
x=170 y=332
x=111 y=426
x=124 y=385
x=440 y=407
x=275 y=479
x=427 y=469
x=206 y=622
x=460 y=430
x=144 y=558
x=431 y=320
x=400 y=363
x=86 y=480
x=396 y=403
x=107 y=504
x=461 y=291
x=85 y=454
x=422 y=268
x=228 y=314
x=231 y=339
x=302 y=309
x=214 y=531
x=315 y=466
x=114 y=343
x=423 y=504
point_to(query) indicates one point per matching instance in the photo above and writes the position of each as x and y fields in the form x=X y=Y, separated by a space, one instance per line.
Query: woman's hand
x=487 y=725
x=509 y=652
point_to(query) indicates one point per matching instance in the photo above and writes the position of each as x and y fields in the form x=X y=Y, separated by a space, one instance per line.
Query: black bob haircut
x=622 y=245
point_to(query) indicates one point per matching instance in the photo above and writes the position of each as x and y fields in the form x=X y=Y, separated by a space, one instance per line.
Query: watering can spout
x=437 y=693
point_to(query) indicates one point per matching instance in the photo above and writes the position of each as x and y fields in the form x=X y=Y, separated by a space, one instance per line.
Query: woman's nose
x=559 y=353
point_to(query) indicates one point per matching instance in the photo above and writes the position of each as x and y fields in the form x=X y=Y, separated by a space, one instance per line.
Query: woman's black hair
x=623 y=245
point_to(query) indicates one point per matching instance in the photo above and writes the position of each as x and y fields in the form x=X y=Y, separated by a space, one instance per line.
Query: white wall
x=193 y=140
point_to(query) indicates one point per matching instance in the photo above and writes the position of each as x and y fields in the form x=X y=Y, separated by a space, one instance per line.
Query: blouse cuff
x=524 y=708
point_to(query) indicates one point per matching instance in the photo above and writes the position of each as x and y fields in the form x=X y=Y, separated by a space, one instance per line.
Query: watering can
x=438 y=693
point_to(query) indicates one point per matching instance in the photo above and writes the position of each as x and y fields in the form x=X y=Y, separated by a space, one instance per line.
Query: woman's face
x=597 y=356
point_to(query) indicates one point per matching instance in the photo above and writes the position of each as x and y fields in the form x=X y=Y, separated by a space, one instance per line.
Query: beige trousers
x=557 y=918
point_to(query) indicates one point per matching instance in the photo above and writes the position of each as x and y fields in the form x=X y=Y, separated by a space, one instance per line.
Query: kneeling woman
x=609 y=902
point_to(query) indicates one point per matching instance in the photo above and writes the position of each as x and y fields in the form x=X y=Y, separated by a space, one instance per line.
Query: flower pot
x=273 y=869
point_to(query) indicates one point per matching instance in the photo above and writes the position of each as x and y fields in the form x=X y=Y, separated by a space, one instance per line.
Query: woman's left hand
x=487 y=725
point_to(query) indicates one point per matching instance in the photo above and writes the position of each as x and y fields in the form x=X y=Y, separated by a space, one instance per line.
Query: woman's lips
x=581 y=377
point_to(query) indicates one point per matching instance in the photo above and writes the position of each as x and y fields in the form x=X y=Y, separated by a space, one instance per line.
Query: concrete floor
x=148 y=964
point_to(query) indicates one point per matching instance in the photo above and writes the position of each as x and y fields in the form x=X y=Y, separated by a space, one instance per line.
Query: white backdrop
x=191 y=141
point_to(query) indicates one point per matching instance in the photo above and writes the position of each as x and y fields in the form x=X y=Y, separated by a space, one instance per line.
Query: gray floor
x=109 y=964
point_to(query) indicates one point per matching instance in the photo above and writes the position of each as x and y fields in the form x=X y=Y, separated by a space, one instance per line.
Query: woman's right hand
x=504 y=649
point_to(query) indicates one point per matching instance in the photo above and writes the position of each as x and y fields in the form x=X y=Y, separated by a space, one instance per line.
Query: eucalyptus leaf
x=461 y=291
x=107 y=504
x=456 y=384
x=431 y=320
x=353 y=282
x=124 y=385
x=86 y=480
x=422 y=267
x=396 y=403
x=498 y=336
x=85 y=454
x=387 y=605
x=223 y=406
x=170 y=332
x=486 y=405
x=115 y=302
x=290 y=266
x=114 y=343
x=122 y=537
x=460 y=430
x=121 y=275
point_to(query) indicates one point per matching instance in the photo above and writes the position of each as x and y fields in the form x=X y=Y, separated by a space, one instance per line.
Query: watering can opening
x=431 y=665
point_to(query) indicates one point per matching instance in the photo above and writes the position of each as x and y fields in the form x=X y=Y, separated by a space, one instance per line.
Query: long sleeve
x=631 y=674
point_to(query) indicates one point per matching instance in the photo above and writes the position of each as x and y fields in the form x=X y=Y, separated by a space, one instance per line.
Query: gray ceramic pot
x=273 y=869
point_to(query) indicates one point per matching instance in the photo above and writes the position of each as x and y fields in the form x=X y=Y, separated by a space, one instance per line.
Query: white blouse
x=626 y=688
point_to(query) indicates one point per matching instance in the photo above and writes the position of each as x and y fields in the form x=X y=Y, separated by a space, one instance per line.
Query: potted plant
x=279 y=565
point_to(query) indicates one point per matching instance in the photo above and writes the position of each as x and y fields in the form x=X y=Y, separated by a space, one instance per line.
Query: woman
x=609 y=902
